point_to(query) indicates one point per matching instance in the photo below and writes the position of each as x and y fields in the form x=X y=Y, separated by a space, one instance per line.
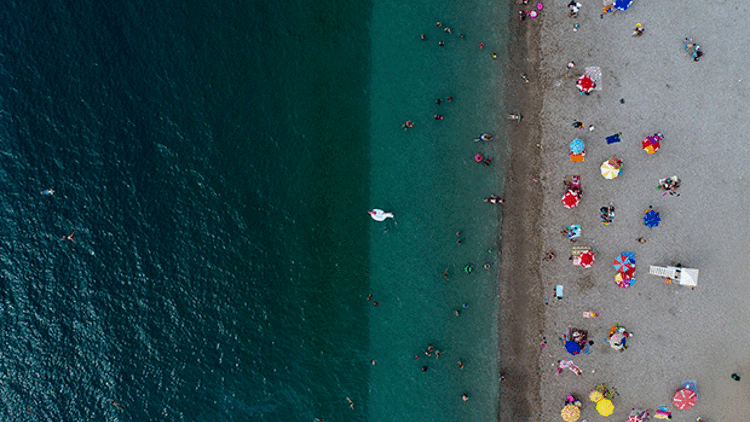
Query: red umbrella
x=586 y=84
x=571 y=199
x=587 y=259
x=685 y=399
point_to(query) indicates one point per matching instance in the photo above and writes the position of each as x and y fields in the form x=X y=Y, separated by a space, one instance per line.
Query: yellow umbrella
x=595 y=396
x=570 y=413
x=610 y=170
x=605 y=407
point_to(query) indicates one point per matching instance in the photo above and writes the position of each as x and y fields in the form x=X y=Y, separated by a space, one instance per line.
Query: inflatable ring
x=478 y=158
x=469 y=268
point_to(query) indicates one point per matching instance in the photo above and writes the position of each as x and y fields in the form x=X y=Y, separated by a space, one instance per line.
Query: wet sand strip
x=520 y=286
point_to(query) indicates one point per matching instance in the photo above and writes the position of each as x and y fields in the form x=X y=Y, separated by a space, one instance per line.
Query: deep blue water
x=213 y=162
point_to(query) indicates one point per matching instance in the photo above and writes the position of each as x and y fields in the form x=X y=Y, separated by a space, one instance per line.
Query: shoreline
x=521 y=312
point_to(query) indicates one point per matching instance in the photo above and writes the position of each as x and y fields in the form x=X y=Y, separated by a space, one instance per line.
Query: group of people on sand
x=691 y=45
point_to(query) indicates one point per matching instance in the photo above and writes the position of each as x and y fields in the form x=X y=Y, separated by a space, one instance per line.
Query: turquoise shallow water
x=428 y=177
x=216 y=161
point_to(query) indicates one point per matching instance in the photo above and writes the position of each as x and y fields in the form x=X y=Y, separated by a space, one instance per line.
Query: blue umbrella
x=651 y=219
x=577 y=146
x=572 y=347
x=622 y=4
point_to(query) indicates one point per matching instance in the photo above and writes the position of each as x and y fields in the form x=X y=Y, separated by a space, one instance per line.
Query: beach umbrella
x=570 y=413
x=684 y=399
x=595 y=396
x=577 y=146
x=586 y=84
x=651 y=143
x=605 y=407
x=611 y=168
x=623 y=280
x=571 y=199
x=624 y=264
x=572 y=347
x=622 y=4
x=651 y=218
x=586 y=258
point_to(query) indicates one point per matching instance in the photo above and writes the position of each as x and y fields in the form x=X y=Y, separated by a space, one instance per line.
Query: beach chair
x=661 y=271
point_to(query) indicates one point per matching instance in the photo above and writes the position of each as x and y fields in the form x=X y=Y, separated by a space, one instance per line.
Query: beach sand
x=679 y=333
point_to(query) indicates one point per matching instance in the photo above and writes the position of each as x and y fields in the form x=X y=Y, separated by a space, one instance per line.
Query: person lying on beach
x=574 y=7
x=494 y=200
x=638 y=31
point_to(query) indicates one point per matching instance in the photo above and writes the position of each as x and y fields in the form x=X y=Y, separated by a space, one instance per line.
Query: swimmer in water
x=69 y=237
x=48 y=192
x=351 y=403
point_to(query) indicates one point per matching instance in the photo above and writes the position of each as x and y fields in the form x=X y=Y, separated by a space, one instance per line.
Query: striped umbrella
x=586 y=258
x=611 y=168
x=684 y=399
x=624 y=264
x=571 y=199
x=651 y=143
x=586 y=84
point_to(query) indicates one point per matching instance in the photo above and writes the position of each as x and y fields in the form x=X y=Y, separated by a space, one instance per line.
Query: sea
x=207 y=254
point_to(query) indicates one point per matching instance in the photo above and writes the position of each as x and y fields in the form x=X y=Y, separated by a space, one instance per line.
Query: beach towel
x=595 y=73
x=691 y=385
x=614 y=138
x=570 y=365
